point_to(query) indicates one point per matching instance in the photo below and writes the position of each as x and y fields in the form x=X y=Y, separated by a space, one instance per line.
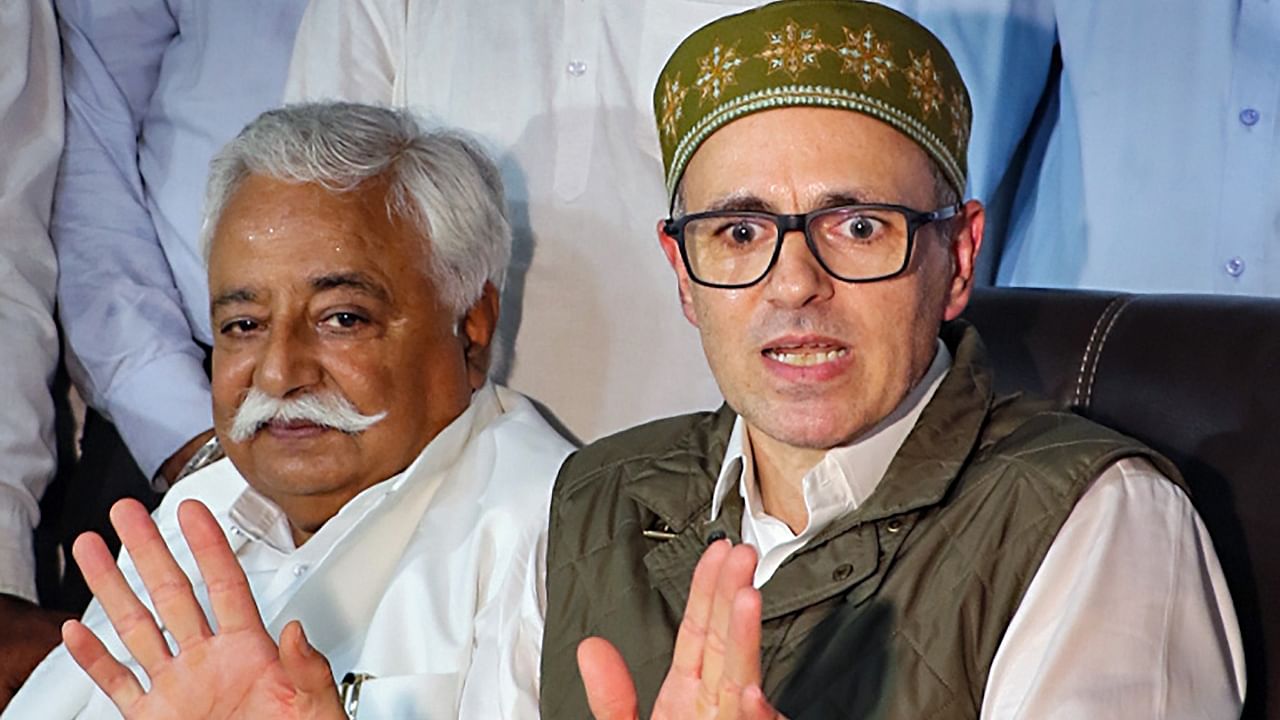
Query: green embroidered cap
x=860 y=56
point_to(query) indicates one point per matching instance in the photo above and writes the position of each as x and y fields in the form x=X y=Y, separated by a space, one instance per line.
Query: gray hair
x=438 y=179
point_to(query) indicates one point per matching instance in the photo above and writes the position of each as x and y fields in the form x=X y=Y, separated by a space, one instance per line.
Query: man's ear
x=476 y=330
x=966 y=241
x=672 y=250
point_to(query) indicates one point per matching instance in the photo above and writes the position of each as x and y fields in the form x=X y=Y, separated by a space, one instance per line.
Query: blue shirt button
x=1235 y=266
x=1249 y=117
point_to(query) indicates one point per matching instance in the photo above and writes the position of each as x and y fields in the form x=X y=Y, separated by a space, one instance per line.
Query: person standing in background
x=561 y=93
x=153 y=89
x=31 y=138
x=1153 y=167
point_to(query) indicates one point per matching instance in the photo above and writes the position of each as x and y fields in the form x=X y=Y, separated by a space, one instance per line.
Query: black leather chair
x=1195 y=377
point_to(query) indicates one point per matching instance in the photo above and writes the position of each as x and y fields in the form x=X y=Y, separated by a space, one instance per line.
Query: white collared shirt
x=1128 y=615
x=408 y=582
x=844 y=478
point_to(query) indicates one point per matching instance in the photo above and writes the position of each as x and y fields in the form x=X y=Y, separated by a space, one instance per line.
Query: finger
x=132 y=621
x=742 y=654
x=686 y=658
x=611 y=694
x=169 y=587
x=106 y=672
x=756 y=707
x=735 y=574
x=308 y=671
x=229 y=593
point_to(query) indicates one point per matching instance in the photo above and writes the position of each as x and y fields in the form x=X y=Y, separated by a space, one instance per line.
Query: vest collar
x=679 y=490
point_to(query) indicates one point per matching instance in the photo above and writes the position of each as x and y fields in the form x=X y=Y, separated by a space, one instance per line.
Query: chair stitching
x=1097 y=356
x=1087 y=355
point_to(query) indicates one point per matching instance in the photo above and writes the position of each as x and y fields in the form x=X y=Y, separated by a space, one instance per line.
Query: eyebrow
x=231 y=297
x=747 y=202
x=354 y=280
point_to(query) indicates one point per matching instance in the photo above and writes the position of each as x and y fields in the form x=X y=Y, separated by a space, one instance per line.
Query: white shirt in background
x=407 y=582
x=31 y=139
x=153 y=89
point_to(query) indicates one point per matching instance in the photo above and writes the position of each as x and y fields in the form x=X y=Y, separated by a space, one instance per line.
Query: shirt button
x=576 y=68
x=842 y=572
x=894 y=525
x=299 y=570
x=1250 y=117
x=1235 y=266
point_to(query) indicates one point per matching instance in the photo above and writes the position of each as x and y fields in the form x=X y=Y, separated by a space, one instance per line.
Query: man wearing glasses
x=905 y=545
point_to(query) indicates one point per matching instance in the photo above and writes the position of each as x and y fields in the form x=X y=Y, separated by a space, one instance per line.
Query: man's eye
x=345 y=320
x=239 y=327
x=740 y=232
x=862 y=228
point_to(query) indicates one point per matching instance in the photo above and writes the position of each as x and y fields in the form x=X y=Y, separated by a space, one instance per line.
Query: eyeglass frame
x=787 y=223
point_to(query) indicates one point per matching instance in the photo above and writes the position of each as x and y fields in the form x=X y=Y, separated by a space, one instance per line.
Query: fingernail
x=716 y=536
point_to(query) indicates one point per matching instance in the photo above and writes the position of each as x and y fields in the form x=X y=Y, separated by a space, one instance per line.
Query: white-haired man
x=378 y=488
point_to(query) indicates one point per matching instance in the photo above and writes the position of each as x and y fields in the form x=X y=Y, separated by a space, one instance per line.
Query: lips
x=293 y=429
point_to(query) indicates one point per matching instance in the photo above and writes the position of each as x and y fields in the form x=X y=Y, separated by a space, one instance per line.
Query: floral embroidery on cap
x=926 y=86
x=866 y=56
x=716 y=71
x=672 y=105
x=792 y=49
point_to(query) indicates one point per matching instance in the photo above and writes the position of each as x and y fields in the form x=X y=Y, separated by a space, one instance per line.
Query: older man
x=377 y=488
x=916 y=548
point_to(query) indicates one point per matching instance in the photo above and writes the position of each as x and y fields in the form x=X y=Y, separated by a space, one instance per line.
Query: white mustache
x=326 y=409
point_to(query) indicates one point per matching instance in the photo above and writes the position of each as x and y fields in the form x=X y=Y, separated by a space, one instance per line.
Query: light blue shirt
x=1158 y=165
x=153 y=88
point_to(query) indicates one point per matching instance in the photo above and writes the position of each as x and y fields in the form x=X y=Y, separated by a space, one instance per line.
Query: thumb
x=611 y=694
x=309 y=672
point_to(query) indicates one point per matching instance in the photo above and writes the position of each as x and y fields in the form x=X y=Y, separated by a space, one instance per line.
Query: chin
x=811 y=431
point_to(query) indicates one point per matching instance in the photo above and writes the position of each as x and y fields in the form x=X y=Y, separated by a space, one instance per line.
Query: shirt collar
x=862 y=463
x=263 y=521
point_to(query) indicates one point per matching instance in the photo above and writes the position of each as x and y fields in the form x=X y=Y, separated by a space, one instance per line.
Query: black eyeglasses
x=853 y=243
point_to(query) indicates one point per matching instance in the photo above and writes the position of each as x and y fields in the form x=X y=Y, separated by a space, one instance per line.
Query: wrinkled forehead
x=274 y=233
x=266 y=215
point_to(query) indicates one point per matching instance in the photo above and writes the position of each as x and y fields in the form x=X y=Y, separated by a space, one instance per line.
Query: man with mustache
x=378 y=489
x=908 y=546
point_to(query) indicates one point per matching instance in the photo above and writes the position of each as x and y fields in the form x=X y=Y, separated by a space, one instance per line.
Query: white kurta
x=407 y=582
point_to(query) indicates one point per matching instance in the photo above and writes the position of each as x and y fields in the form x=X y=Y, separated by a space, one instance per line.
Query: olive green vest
x=894 y=611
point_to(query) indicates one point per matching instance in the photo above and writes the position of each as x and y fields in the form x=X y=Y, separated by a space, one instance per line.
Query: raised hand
x=715 y=667
x=237 y=672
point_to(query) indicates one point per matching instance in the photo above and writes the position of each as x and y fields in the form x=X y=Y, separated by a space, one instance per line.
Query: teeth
x=805 y=359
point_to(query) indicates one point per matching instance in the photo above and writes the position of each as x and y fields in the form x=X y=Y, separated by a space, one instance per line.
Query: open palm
x=715 y=667
x=237 y=672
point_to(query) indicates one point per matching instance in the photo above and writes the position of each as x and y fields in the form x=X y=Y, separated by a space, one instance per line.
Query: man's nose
x=288 y=360
x=797 y=279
